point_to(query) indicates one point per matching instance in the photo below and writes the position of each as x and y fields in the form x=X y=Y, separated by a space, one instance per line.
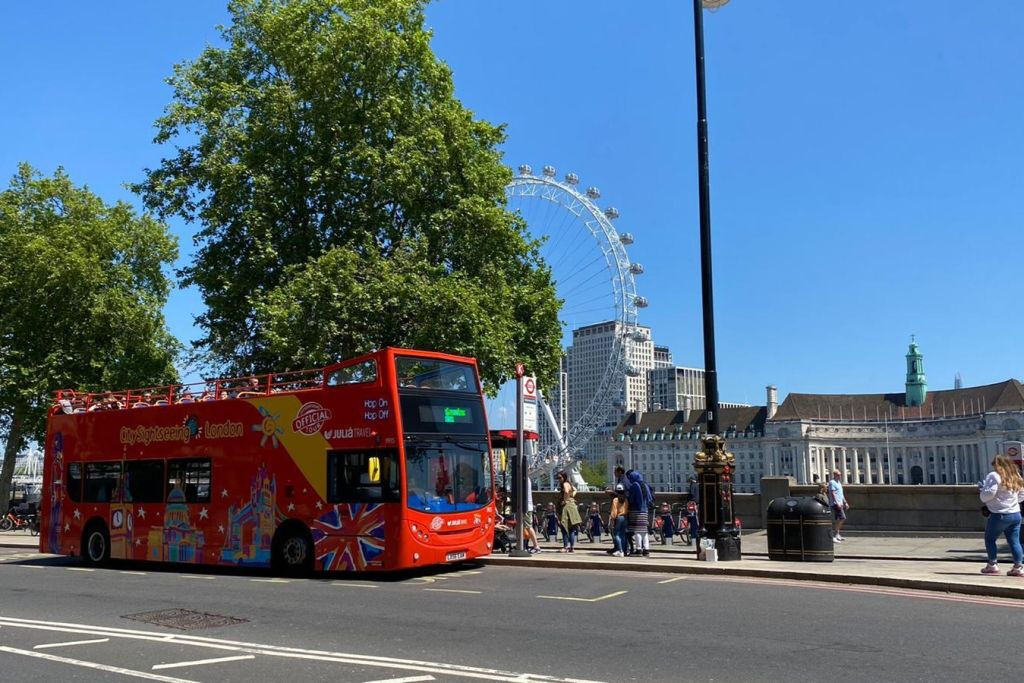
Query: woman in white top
x=1002 y=492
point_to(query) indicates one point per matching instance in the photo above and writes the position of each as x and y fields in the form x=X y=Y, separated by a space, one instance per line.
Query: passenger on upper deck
x=252 y=388
x=185 y=396
x=144 y=401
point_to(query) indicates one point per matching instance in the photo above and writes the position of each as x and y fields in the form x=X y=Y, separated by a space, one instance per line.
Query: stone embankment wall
x=872 y=508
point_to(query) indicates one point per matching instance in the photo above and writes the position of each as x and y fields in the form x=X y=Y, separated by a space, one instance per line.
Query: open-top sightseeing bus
x=380 y=462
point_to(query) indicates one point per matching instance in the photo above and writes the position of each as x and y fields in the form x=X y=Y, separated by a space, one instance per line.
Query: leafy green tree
x=346 y=200
x=594 y=474
x=82 y=285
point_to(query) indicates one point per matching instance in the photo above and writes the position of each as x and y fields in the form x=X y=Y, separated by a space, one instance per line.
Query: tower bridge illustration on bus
x=376 y=463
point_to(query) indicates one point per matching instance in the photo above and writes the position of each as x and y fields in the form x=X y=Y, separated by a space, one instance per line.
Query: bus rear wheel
x=292 y=550
x=96 y=544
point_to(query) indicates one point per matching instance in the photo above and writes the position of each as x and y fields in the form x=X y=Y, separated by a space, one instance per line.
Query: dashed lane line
x=348 y=584
x=70 y=643
x=390 y=663
x=598 y=599
x=452 y=590
x=195 y=576
x=407 y=679
x=200 y=662
x=79 y=569
x=673 y=580
x=94 y=665
x=270 y=580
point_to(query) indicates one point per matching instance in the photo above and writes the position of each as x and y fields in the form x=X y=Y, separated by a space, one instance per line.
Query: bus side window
x=191 y=477
x=359 y=373
x=73 y=483
x=363 y=476
x=101 y=482
x=144 y=481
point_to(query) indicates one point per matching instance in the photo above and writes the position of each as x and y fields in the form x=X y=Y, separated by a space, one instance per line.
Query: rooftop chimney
x=772 y=398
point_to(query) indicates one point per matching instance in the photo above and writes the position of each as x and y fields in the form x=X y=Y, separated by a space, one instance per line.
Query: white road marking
x=603 y=597
x=271 y=580
x=452 y=590
x=198 y=662
x=79 y=569
x=94 y=665
x=135 y=573
x=408 y=679
x=288 y=652
x=349 y=584
x=71 y=642
x=32 y=566
x=195 y=576
x=678 y=578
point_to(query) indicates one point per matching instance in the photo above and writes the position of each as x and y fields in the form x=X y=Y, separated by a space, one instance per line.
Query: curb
x=853 y=579
x=763 y=555
x=34 y=546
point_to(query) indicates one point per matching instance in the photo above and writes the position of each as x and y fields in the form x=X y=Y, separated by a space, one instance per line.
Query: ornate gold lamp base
x=715 y=467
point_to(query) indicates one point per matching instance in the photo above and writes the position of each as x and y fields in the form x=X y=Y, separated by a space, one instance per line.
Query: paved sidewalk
x=913 y=562
x=18 y=539
x=861 y=545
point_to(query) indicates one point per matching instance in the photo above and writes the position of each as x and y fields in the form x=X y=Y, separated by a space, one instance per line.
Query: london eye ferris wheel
x=595 y=280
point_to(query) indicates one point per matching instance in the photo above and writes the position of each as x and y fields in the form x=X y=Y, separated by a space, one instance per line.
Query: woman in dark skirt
x=639 y=502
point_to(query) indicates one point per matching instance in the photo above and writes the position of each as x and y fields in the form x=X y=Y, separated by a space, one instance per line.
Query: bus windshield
x=445 y=476
x=430 y=373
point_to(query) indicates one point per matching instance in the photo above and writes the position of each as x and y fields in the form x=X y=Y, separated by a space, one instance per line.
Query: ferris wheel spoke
x=584 y=284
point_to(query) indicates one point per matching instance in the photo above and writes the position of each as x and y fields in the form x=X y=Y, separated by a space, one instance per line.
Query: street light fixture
x=713 y=463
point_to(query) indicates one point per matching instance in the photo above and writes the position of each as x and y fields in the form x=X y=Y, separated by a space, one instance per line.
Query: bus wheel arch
x=291 y=550
x=96 y=542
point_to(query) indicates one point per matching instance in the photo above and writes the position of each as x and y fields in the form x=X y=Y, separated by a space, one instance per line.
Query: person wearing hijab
x=639 y=499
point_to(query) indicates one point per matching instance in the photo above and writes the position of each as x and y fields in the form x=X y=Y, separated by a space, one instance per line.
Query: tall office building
x=675 y=388
x=587 y=362
x=662 y=357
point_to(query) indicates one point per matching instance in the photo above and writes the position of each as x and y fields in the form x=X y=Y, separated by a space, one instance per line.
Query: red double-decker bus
x=380 y=462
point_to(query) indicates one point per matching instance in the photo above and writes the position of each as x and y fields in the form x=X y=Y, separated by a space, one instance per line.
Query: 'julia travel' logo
x=310 y=418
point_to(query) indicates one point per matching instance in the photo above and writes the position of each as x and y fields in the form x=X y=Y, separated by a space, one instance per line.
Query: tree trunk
x=14 y=443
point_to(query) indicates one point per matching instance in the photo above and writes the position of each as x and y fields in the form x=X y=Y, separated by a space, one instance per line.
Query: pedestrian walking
x=594 y=518
x=529 y=537
x=568 y=514
x=1002 y=492
x=837 y=499
x=550 y=522
x=639 y=501
x=617 y=521
x=693 y=511
x=667 y=526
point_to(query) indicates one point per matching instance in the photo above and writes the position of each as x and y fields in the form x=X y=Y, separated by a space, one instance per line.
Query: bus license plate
x=452 y=557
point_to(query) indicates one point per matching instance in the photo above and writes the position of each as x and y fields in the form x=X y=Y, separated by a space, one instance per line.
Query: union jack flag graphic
x=349 y=537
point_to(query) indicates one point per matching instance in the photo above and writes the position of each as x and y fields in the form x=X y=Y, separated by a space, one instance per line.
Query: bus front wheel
x=96 y=544
x=292 y=550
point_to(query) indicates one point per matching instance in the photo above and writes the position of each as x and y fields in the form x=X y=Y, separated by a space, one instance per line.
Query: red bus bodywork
x=268 y=452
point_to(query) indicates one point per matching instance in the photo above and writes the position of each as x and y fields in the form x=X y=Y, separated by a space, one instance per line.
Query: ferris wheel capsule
x=593 y=192
x=636 y=268
x=632 y=371
x=525 y=169
x=641 y=302
x=611 y=213
x=572 y=179
x=639 y=336
x=626 y=238
x=549 y=171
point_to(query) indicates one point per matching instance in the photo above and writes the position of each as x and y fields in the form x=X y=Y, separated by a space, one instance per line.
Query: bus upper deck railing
x=251 y=386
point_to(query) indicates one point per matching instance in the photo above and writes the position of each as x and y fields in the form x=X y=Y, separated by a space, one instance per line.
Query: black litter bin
x=799 y=529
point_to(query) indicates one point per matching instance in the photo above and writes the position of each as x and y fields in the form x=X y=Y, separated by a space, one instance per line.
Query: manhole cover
x=184 y=619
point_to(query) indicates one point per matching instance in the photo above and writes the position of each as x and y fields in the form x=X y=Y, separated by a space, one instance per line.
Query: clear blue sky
x=865 y=158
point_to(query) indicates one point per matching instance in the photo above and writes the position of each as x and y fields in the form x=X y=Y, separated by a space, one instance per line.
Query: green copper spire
x=917 y=385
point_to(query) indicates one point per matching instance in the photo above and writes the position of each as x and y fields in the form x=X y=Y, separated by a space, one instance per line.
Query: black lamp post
x=714 y=465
